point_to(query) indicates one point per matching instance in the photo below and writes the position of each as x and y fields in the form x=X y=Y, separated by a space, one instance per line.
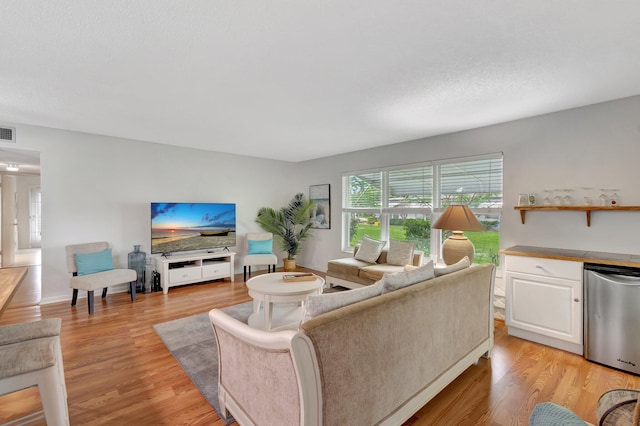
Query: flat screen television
x=178 y=227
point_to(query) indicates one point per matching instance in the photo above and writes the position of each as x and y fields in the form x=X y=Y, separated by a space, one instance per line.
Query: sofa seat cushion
x=376 y=272
x=345 y=267
x=103 y=279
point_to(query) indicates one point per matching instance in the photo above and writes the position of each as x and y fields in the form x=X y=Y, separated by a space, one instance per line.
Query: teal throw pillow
x=260 y=247
x=90 y=263
x=550 y=414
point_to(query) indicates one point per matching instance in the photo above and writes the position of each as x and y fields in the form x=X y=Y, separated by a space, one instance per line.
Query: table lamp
x=458 y=218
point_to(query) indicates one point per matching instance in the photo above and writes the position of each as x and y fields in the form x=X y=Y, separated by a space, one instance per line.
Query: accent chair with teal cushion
x=91 y=266
x=259 y=251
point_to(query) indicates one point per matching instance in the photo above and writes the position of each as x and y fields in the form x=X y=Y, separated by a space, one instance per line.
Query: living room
x=97 y=187
x=91 y=179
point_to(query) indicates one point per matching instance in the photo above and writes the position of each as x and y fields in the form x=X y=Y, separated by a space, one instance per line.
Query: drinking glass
x=557 y=200
x=567 y=200
x=586 y=200
x=604 y=200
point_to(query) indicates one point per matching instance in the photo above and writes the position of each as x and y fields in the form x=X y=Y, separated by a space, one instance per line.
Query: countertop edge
x=602 y=258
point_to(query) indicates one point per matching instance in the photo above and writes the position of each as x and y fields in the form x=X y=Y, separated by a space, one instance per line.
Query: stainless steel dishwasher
x=612 y=316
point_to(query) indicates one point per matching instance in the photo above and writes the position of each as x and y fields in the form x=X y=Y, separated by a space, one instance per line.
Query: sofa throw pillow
x=320 y=303
x=550 y=414
x=458 y=266
x=400 y=252
x=397 y=280
x=260 y=246
x=90 y=263
x=369 y=249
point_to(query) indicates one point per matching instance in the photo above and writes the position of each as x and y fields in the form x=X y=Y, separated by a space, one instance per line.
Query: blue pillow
x=90 y=263
x=260 y=247
x=550 y=414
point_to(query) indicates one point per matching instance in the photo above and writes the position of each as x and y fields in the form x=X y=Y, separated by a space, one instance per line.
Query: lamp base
x=456 y=247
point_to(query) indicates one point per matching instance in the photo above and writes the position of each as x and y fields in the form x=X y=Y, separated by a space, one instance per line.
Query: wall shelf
x=586 y=209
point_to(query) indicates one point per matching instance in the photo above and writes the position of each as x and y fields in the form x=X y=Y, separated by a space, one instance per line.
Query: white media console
x=193 y=268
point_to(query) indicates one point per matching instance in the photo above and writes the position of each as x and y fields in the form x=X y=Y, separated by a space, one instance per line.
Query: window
x=400 y=203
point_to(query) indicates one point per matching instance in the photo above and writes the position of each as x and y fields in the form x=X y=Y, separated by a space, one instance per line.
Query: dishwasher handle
x=618 y=279
x=612 y=269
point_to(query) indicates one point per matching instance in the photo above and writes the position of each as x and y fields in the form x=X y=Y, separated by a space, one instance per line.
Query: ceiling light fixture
x=12 y=167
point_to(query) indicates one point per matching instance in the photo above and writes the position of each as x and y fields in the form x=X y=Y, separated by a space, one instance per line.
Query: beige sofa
x=352 y=273
x=376 y=361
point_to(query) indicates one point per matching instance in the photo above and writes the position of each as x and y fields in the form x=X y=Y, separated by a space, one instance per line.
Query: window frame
x=434 y=211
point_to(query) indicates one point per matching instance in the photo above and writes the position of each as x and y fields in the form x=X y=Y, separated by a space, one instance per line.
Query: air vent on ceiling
x=7 y=134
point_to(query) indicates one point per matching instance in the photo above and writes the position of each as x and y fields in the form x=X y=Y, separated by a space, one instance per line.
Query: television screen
x=179 y=227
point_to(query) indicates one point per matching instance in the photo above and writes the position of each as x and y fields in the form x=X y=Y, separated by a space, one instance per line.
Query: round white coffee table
x=268 y=289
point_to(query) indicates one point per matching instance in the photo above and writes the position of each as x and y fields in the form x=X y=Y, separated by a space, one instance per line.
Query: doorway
x=21 y=229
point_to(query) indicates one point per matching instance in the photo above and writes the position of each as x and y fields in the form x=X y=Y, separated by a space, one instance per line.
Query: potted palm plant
x=290 y=225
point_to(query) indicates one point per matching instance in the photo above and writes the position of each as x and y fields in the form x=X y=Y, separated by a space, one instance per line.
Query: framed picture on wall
x=321 y=215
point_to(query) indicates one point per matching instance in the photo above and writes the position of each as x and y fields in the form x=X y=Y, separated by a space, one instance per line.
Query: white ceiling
x=303 y=79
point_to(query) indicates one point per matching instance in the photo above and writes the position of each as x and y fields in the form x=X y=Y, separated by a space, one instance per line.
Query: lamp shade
x=458 y=218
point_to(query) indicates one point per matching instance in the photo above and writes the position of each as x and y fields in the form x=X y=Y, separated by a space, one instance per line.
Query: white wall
x=97 y=187
x=596 y=146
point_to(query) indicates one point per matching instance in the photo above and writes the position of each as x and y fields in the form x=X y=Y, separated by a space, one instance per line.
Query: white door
x=35 y=217
x=9 y=224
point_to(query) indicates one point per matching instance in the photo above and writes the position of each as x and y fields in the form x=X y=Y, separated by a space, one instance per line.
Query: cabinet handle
x=576 y=300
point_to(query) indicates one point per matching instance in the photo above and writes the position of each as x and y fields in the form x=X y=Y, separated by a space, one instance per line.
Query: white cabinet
x=544 y=301
x=188 y=269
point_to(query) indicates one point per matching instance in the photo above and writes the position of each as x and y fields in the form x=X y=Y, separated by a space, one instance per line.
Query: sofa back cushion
x=397 y=280
x=400 y=252
x=458 y=266
x=369 y=249
x=320 y=303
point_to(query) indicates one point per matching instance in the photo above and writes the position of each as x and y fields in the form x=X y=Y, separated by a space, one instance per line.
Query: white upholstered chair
x=258 y=251
x=96 y=257
x=30 y=355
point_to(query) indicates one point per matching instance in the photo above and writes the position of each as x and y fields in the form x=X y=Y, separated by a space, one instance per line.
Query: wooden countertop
x=618 y=259
x=10 y=280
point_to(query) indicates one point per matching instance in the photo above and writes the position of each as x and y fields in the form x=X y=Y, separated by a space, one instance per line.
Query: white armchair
x=258 y=251
x=92 y=268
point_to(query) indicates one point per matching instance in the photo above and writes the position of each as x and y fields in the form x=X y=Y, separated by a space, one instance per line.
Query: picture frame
x=321 y=215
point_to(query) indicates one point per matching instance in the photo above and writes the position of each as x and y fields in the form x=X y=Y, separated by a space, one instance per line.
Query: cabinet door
x=545 y=305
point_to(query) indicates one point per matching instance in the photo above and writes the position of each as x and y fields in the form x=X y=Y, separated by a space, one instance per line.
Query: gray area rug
x=191 y=341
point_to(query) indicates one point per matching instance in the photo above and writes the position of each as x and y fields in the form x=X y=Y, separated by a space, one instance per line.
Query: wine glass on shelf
x=604 y=200
x=614 y=199
x=586 y=200
x=557 y=200
x=567 y=200
x=547 y=197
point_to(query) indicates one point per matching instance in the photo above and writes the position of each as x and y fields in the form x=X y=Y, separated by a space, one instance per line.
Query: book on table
x=298 y=277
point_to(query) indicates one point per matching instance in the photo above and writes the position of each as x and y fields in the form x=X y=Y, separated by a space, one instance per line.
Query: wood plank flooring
x=119 y=372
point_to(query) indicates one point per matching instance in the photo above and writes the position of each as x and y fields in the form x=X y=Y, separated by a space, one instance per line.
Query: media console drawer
x=188 y=273
x=216 y=269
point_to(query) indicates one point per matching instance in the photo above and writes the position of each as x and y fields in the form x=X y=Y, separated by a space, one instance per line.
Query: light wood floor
x=119 y=372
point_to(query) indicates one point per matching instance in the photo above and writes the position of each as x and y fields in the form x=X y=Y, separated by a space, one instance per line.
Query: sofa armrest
x=266 y=377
